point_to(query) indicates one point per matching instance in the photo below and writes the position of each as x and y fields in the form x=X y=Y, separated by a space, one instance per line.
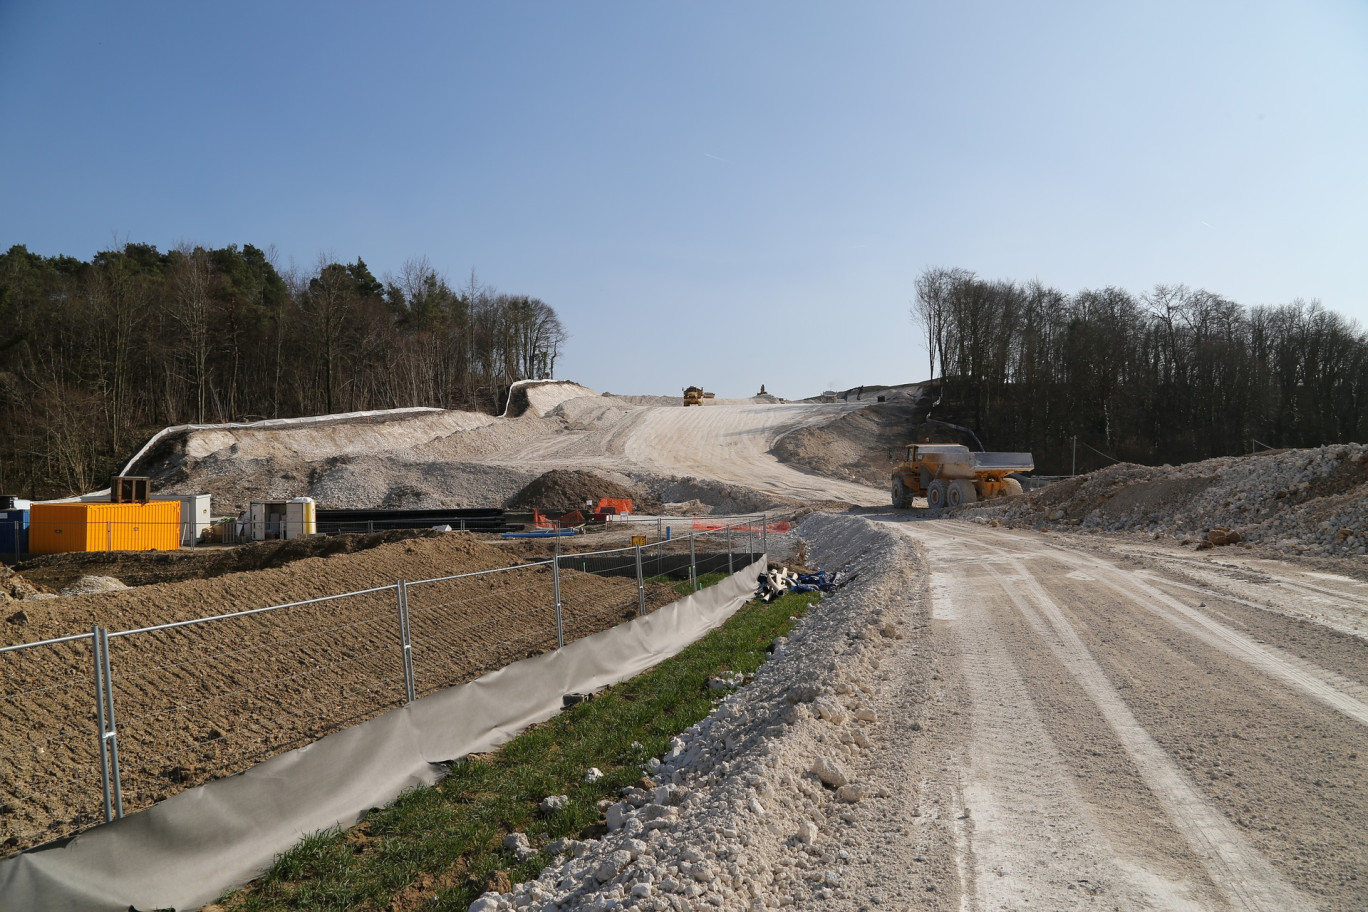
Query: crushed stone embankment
x=1298 y=502
x=777 y=796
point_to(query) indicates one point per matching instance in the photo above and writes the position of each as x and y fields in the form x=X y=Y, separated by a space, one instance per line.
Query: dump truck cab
x=948 y=475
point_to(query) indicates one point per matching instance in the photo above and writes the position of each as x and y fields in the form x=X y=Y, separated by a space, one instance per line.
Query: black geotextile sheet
x=189 y=849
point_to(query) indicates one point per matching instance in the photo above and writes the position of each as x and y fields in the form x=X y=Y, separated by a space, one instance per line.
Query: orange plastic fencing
x=705 y=525
x=620 y=505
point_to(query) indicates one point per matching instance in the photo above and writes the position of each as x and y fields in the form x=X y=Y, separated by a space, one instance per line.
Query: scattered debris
x=775 y=583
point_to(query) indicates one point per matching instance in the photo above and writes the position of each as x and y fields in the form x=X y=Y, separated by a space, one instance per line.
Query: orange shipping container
x=151 y=526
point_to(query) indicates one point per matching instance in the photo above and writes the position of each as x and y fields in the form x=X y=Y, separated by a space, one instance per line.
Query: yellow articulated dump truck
x=948 y=475
x=694 y=395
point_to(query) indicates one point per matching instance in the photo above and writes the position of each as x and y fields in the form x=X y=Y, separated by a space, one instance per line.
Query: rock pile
x=1312 y=501
x=747 y=806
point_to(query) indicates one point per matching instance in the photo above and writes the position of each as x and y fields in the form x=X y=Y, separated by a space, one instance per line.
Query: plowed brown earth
x=202 y=701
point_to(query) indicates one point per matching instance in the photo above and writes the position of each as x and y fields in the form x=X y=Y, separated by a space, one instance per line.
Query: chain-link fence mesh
x=49 y=757
x=186 y=702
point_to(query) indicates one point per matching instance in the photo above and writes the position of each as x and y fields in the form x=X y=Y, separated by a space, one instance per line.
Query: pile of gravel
x=1312 y=501
x=755 y=803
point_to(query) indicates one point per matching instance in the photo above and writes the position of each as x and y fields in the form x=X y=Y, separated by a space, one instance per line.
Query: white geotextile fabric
x=187 y=850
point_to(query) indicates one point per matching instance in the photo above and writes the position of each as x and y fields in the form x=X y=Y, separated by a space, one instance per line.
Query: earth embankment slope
x=1298 y=502
x=463 y=459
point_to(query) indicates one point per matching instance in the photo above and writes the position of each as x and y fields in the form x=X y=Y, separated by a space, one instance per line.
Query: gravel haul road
x=996 y=719
x=1134 y=744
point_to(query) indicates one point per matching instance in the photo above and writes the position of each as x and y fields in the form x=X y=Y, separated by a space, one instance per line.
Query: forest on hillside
x=96 y=355
x=1170 y=376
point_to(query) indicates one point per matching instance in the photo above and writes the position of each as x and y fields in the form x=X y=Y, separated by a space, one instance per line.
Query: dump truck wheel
x=1010 y=486
x=961 y=492
x=899 y=493
x=935 y=495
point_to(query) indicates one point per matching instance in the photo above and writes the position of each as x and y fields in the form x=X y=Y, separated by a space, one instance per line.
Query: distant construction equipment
x=694 y=395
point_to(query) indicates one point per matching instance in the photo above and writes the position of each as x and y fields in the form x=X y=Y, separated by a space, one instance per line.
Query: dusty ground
x=718 y=454
x=1020 y=721
x=1055 y=702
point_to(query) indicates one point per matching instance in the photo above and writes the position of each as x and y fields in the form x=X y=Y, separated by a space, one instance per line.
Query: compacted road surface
x=1145 y=728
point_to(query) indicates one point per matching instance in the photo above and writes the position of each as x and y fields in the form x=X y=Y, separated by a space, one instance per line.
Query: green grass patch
x=439 y=848
x=684 y=587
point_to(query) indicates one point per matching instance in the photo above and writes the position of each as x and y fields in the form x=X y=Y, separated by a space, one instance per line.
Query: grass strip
x=439 y=847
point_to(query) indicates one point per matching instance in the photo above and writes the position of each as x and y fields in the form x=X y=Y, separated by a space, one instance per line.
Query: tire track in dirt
x=1240 y=873
x=1346 y=612
x=1325 y=686
x=1033 y=838
x=1338 y=677
x=1331 y=689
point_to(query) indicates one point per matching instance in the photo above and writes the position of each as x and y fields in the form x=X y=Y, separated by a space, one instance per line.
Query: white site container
x=281 y=519
x=301 y=517
x=195 y=517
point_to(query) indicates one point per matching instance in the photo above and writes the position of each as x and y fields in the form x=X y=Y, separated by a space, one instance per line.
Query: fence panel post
x=729 y=550
x=693 y=565
x=110 y=729
x=764 y=532
x=555 y=586
x=406 y=642
x=641 y=585
x=100 y=722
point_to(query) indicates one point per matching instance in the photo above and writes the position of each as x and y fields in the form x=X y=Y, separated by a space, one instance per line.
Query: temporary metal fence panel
x=155 y=710
x=201 y=700
x=472 y=623
x=50 y=782
x=188 y=850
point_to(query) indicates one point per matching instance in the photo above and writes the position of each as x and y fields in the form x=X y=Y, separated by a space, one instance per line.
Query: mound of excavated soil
x=563 y=490
x=14 y=587
x=1312 y=501
x=856 y=446
x=538 y=397
x=143 y=568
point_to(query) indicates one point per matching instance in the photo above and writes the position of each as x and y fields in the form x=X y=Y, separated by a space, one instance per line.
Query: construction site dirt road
x=1140 y=728
x=1064 y=721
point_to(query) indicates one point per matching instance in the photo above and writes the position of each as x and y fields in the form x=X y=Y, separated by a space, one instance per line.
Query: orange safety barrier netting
x=704 y=525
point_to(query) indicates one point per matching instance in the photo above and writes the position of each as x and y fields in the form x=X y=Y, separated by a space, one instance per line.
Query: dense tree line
x=95 y=355
x=1172 y=376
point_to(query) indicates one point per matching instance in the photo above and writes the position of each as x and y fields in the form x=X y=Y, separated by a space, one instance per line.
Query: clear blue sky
x=718 y=193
